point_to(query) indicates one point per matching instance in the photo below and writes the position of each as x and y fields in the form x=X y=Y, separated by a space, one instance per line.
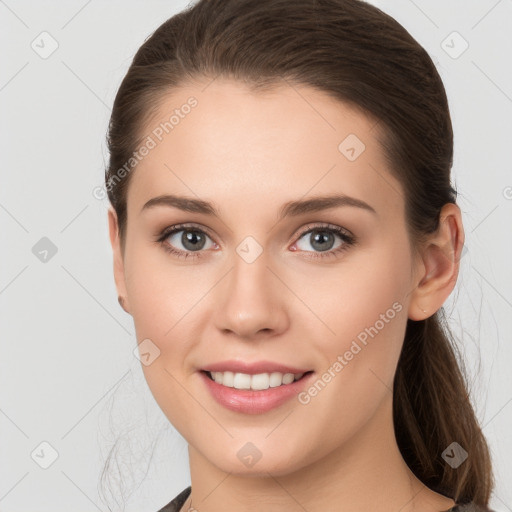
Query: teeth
x=257 y=382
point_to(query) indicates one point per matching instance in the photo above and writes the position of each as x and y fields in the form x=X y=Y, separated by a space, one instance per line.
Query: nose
x=251 y=300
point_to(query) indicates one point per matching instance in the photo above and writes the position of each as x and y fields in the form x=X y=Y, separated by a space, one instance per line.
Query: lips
x=253 y=368
x=260 y=396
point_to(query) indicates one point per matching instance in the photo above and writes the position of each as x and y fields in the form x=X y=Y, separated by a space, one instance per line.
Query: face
x=264 y=285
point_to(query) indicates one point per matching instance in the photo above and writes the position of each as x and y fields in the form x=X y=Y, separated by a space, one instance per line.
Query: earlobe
x=121 y=303
x=118 y=261
x=439 y=265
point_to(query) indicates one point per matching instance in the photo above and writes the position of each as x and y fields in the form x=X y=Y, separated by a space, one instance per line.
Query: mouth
x=254 y=382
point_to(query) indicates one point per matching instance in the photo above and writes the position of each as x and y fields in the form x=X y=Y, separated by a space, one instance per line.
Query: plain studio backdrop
x=71 y=386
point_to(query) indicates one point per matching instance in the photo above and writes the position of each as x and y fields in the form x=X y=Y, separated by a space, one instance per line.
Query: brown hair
x=363 y=57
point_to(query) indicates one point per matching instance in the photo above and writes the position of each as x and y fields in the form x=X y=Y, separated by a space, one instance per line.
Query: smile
x=256 y=382
x=254 y=393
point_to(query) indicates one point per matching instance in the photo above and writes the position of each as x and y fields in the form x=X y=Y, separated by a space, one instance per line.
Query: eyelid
x=322 y=225
x=184 y=226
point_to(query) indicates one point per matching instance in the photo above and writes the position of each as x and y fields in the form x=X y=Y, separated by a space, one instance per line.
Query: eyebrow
x=291 y=208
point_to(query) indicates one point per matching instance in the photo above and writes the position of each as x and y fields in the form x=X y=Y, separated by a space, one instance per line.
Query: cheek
x=164 y=293
x=167 y=304
x=359 y=362
x=368 y=318
x=368 y=293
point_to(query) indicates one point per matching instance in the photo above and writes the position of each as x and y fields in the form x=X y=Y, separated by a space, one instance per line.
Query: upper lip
x=252 y=368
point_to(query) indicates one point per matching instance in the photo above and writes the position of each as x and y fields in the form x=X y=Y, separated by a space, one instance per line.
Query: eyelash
x=348 y=240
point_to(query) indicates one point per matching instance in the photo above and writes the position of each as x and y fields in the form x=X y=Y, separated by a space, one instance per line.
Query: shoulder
x=177 y=502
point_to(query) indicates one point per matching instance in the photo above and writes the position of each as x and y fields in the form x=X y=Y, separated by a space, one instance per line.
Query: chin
x=249 y=461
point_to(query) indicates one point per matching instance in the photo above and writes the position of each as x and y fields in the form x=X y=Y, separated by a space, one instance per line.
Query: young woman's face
x=266 y=283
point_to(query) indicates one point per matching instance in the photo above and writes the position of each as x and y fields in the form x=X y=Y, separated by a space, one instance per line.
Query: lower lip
x=253 y=402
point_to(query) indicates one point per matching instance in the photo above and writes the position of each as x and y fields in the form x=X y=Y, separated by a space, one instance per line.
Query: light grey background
x=68 y=374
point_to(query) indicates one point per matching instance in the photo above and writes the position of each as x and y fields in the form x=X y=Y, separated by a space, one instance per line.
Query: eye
x=194 y=239
x=191 y=238
x=323 y=237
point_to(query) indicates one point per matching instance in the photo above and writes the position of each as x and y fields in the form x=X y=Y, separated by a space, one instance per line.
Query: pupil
x=192 y=237
x=321 y=237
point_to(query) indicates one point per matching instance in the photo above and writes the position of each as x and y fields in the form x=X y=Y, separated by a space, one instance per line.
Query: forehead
x=222 y=142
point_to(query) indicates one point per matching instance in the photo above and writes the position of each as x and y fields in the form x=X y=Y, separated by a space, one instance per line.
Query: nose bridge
x=249 y=302
x=249 y=277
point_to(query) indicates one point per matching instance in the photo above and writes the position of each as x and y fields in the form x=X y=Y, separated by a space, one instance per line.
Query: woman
x=246 y=135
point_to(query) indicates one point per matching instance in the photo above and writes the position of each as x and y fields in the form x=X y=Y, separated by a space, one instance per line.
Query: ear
x=119 y=275
x=438 y=265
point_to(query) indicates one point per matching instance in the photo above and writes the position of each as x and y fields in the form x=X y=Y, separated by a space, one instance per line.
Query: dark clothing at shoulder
x=470 y=507
x=177 y=503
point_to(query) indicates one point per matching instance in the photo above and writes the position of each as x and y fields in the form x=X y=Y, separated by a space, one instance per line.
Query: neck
x=366 y=473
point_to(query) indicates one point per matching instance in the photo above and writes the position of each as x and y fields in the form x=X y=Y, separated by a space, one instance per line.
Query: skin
x=249 y=153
